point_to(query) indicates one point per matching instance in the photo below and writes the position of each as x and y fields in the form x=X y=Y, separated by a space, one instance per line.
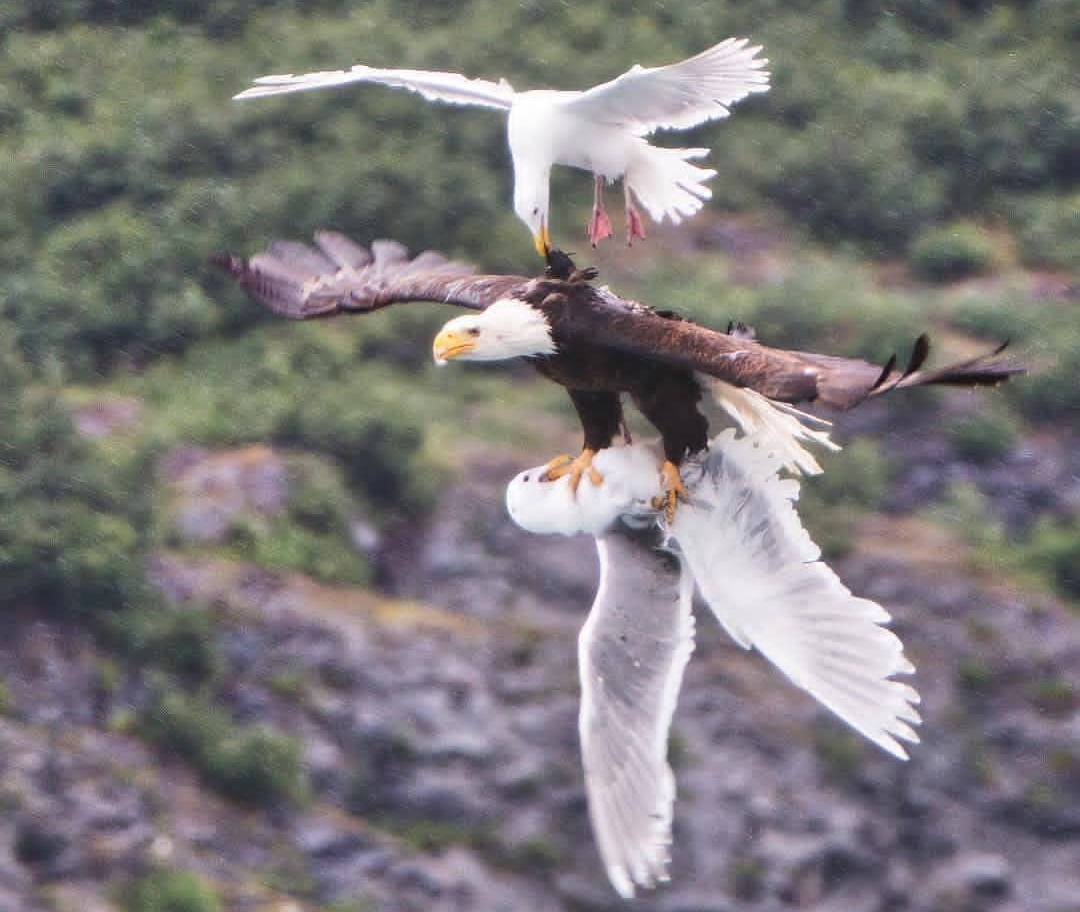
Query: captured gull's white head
x=740 y=542
x=632 y=480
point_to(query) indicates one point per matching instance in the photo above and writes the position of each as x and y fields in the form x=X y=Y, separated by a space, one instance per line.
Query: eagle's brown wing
x=302 y=282
x=786 y=376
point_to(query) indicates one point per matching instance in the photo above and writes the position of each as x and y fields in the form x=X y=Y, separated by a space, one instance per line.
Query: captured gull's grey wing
x=451 y=88
x=762 y=576
x=631 y=655
x=679 y=95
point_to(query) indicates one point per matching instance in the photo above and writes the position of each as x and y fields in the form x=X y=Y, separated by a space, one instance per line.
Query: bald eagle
x=598 y=346
x=600 y=130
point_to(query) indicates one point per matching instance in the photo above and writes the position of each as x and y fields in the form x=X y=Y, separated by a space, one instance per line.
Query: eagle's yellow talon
x=672 y=490
x=575 y=468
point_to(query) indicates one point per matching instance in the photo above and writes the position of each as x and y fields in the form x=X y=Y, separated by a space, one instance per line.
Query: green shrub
x=180 y=641
x=169 y=890
x=983 y=436
x=1048 y=230
x=1053 y=550
x=71 y=525
x=948 y=252
x=254 y=764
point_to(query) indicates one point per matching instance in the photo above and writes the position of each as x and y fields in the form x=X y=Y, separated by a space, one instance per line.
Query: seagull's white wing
x=452 y=88
x=631 y=653
x=680 y=95
x=762 y=576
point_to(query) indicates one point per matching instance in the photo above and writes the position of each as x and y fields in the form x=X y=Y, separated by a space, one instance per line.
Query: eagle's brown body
x=605 y=346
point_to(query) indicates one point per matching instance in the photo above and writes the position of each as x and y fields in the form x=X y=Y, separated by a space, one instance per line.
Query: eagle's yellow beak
x=450 y=343
x=542 y=240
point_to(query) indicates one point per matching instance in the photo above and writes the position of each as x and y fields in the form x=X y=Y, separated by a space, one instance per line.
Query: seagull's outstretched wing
x=301 y=282
x=451 y=88
x=680 y=95
x=762 y=576
x=631 y=654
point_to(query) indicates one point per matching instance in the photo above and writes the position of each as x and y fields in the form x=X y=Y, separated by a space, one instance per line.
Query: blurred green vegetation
x=1045 y=556
x=942 y=134
x=164 y=889
x=853 y=484
x=126 y=163
x=251 y=764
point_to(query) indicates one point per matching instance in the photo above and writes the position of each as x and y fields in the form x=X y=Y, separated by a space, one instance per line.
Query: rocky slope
x=438 y=719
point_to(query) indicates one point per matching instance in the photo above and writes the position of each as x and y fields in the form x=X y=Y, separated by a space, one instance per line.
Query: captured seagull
x=740 y=542
x=601 y=130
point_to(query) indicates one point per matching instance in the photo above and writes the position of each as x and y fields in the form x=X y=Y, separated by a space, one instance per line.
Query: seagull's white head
x=531 y=206
x=509 y=328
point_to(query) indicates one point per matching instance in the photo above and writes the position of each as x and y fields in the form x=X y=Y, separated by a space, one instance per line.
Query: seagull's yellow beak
x=451 y=343
x=542 y=240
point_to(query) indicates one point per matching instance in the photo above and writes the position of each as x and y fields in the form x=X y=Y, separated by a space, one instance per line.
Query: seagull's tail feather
x=782 y=427
x=666 y=183
x=761 y=574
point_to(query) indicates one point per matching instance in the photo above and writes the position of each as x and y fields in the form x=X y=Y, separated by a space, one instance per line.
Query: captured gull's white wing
x=631 y=655
x=679 y=95
x=760 y=573
x=452 y=88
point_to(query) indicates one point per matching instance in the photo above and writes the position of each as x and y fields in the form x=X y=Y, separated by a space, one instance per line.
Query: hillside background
x=271 y=642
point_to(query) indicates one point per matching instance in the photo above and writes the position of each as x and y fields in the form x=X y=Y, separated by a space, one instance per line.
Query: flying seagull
x=601 y=130
x=740 y=541
x=598 y=346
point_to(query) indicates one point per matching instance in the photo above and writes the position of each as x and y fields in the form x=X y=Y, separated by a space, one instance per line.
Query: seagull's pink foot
x=599 y=226
x=635 y=225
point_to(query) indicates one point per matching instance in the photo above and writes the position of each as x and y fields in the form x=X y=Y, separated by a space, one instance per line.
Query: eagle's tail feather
x=666 y=184
x=785 y=427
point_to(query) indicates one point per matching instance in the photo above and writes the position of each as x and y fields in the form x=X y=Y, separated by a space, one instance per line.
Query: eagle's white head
x=509 y=328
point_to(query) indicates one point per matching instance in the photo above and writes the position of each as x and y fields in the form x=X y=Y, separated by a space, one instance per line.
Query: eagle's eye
x=536 y=210
x=474 y=331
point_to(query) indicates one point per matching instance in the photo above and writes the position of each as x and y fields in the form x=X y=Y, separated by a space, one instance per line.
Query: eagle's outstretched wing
x=301 y=282
x=677 y=96
x=451 y=88
x=785 y=376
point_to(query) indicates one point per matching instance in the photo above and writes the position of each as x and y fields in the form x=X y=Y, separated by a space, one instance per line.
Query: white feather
x=451 y=88
x=631 y=479
x=632 y=652
x=784 y=427
x=760 y=573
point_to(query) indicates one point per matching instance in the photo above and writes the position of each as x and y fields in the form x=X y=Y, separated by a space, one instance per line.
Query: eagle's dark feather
x=606 y=345
x=301 y=283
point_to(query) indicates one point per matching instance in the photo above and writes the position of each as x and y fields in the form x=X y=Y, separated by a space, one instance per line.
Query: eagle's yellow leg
x=575 y=467
x=672 y=490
